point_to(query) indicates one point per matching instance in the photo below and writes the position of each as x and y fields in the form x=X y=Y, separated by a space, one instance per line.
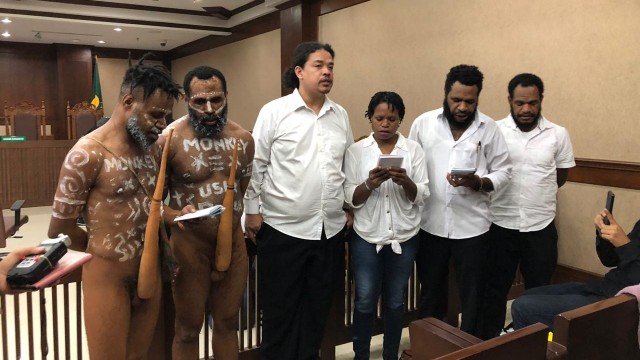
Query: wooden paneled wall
x=55 y=74
x=29 y=170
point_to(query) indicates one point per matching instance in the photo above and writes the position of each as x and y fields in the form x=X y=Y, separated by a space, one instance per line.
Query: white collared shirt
x=387 y=217
x=528 y=203
x=460 y=212
x=298 y=167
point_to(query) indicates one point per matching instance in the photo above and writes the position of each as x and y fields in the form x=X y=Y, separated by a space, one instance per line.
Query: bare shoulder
x=180 y=126
x=86 y=148
x=235 y=130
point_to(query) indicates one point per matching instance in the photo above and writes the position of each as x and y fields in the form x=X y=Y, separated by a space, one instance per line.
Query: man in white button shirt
x=300 y=142
x=455 y=219
x=523 y=230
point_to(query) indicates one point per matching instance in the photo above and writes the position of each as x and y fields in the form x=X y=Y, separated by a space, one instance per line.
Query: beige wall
x=251 y=68
x=585 y=51
x=578 y=205
x=111 y=75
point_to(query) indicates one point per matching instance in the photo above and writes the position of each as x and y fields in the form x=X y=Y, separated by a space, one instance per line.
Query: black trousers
x=537 y=254
x=432 y=263
x=296 y=281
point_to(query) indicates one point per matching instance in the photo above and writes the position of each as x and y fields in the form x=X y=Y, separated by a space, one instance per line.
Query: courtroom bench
x=605 y=330
x=434 y=339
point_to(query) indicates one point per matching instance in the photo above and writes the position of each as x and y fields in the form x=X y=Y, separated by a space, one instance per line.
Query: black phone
x=609 y=205
x=34 y=267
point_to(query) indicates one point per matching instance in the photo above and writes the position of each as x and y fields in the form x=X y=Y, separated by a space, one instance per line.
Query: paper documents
x=210 y=211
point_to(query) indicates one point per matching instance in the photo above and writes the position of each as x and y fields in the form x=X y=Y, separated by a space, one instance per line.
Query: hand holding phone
x=609 y=206
x=34 y=267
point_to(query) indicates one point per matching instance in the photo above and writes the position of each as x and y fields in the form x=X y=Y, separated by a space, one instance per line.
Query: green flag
x=96 y=98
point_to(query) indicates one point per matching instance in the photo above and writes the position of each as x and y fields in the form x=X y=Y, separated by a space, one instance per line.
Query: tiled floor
x=36 y=230
x=344 y=352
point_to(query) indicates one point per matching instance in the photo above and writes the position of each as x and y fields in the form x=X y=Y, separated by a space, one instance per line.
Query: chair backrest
x=26 y=119
x=10 y=224
x=607 y=329
x=3 y=233
x=81 y=119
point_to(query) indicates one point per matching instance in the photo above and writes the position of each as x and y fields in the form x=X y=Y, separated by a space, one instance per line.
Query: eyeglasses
x=208 y=102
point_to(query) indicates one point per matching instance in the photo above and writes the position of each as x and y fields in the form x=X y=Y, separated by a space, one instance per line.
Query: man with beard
x=109 y=176
x=523 y=230
x=456 y=218
x=200 y=158
x=301 y=140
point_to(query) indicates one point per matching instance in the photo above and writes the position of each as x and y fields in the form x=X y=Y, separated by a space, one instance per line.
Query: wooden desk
x=29 y=170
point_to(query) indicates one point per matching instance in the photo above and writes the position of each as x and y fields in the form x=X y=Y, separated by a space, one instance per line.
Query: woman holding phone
x=386 y=201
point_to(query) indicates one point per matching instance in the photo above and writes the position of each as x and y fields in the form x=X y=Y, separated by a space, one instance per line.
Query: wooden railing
x=29 y=333
x=44 y=324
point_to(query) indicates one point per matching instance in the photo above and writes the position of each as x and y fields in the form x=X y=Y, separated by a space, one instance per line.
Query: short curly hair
x=389 y=97
x=468 y=75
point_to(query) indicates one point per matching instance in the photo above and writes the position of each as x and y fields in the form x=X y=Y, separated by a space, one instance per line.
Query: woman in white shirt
x=386 y=203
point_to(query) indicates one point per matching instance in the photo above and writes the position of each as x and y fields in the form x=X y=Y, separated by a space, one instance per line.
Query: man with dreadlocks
x=109 y=176
x=199 y=162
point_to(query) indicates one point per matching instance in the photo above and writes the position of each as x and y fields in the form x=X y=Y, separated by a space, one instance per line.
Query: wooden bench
x=605 y=330
x=434 y=339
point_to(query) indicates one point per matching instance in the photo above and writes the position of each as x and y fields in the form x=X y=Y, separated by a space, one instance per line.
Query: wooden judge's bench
x=29 y=170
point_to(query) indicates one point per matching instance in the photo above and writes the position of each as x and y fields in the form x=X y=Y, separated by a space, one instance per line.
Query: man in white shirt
x=456 y=218
x=300 y=142
x=523 y=230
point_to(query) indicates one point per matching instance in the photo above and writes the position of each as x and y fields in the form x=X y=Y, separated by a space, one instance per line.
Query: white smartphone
x=386 y=161
x=463 y=172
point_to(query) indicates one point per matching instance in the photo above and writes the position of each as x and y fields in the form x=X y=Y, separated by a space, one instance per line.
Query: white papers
x=210 y=211
x=390 y=160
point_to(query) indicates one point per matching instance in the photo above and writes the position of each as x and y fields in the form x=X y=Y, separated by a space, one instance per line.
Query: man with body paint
x=200 y=158
x=109 y=176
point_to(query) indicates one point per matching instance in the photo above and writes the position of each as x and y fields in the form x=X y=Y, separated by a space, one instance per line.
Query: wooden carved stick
x=148 y=274
x=225 y=228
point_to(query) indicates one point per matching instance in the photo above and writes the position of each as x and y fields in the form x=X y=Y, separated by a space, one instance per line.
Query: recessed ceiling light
x=6 y=20
x=117 y=29
x=6 y=34
x=101 y=41
x=75 y=40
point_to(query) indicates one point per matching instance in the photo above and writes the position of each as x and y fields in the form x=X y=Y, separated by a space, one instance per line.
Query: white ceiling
x=85 y=22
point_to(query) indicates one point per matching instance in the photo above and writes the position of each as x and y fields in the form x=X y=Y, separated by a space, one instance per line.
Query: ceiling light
x=6 y=20
x=117 y=29
x=101 y=41
x=6 y=34
x=75 y=40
